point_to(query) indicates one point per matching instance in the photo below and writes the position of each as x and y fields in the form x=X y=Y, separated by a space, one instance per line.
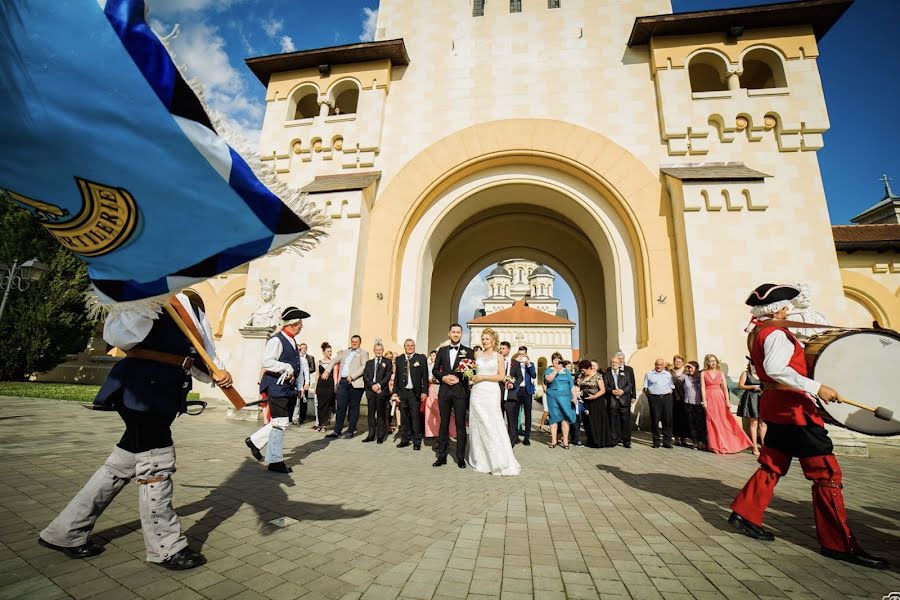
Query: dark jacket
x=149 y=386
x=419 y=373
x=443 y=366
x=381 y=376
x=622 y=382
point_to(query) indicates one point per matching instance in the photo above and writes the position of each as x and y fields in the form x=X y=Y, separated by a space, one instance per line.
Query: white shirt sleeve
x=778 y=351
x=127 y=328
x=270 y=360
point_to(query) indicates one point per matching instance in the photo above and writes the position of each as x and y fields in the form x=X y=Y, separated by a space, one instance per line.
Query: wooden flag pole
x=232 y=394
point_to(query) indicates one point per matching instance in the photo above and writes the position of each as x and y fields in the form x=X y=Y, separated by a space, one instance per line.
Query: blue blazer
x=530 y=375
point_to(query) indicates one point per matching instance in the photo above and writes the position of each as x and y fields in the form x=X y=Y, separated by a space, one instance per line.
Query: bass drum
x=860 y=365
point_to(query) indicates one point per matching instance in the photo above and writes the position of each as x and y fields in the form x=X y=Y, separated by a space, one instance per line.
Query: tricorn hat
x=769 y=298
x=292 y=315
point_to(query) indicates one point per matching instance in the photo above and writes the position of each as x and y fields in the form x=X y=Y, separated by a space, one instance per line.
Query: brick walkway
x=372 y=522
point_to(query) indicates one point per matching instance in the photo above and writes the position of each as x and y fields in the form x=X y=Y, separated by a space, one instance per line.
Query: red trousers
x=828 y=499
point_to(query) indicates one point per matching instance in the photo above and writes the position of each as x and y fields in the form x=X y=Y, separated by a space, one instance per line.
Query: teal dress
x=559 y=397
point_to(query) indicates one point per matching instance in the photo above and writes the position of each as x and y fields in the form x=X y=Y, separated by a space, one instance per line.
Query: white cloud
x=166 y=8
x=287 y=44
x=471 y=299
x=200 y=52
x=272 y=26
x=370 y=20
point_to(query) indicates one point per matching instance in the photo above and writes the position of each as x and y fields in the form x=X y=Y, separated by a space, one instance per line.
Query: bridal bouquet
x=468 y=368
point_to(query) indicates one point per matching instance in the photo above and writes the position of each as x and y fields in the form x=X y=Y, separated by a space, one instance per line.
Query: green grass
x=57 y=391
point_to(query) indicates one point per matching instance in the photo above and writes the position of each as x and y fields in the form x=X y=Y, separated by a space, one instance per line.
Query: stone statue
x=803 y=311
x=267 y=314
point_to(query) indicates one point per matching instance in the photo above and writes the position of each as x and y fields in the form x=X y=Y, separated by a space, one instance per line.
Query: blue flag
x=112 y=151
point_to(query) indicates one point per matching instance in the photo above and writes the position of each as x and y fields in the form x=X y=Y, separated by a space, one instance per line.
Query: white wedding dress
x=489 y=449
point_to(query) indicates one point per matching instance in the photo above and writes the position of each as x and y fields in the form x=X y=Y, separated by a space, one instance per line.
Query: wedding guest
x=724 y=434
x=376 y=379
x=694 y=405
x=304 y=383
x=559 y=381
x=749 y=406
x=658 y=386
x=679 y=412
x=632 y=390
x=519 y=393
x=352 y=362
x=619 y=398
x=411 y=383
x=593 y=392
x=453 y=396
x=324 y=390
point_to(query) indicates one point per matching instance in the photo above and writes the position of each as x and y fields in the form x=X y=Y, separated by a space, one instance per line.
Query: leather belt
x=185 y=362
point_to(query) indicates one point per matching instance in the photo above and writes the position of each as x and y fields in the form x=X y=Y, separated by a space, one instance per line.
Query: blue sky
x=859 y=75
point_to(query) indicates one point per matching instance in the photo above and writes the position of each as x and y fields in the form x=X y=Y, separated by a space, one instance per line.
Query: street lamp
x=19 y=277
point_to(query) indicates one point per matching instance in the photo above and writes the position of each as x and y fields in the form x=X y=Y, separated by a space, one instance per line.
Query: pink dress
x=433 y=411
x=725 y=434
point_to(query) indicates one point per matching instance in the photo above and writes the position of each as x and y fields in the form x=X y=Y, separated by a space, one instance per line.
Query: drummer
x=795 y=429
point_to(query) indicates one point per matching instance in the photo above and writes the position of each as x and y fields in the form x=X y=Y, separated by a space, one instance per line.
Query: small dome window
x=763 y=69
x=708 y=73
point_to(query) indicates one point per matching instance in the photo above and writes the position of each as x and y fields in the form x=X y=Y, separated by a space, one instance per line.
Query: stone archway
x=610 y=197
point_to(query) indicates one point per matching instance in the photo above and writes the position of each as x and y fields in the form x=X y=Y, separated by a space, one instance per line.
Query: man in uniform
x=148 y=388
x=281 y=362
x=795 y=429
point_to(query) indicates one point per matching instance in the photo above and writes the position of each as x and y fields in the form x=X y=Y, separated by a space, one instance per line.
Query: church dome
x=541 y=270
x=498 y=270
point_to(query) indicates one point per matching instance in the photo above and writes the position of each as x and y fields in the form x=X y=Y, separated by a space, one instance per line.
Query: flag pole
x=232 y=394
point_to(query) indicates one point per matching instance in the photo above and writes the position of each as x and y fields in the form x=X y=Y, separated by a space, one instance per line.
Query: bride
x=489 y=449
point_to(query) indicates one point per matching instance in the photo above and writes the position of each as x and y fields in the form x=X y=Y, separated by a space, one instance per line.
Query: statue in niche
x=267 y=314
x=803 y=311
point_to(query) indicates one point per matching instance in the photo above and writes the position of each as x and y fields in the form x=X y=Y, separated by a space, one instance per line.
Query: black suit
x=513 y=399
x=452 y=397
x=378 y=401
x=619 y=406
x=415 y=369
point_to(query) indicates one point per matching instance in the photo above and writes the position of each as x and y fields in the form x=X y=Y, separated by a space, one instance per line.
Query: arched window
x=763 y=69
x=492 y=289
x=708 y=73
x=521 y=275
x=307 y=102
x=542 y=289
x=345 y=96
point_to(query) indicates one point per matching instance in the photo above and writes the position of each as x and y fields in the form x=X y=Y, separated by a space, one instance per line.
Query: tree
x=47 y=321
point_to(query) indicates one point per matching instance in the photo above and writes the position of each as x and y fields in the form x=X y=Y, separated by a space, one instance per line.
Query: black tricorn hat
x=769 y=293
x=292 y=313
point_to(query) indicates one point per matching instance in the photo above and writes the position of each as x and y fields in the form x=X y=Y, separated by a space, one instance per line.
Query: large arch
x=601 y=180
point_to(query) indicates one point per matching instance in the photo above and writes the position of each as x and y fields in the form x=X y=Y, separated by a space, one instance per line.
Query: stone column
x=246 y=374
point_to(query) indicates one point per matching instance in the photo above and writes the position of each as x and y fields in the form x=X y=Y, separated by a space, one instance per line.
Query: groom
x=452 y=394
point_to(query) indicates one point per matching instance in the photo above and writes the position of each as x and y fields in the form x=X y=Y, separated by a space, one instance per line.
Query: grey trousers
x=160 y=524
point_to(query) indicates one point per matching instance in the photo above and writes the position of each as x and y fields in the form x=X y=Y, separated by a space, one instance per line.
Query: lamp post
x=19 y=277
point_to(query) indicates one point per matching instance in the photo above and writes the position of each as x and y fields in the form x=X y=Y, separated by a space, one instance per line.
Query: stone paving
x=375 y=522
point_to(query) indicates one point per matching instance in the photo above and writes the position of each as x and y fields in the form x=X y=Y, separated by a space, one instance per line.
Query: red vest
x=788 y=407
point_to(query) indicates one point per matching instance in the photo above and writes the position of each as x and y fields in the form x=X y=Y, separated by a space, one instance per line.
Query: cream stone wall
x=872 y=286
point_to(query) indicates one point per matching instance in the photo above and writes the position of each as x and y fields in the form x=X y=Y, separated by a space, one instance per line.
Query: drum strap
x=801 y=324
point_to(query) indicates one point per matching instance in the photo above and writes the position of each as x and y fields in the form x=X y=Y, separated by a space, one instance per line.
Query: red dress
x=724 y=433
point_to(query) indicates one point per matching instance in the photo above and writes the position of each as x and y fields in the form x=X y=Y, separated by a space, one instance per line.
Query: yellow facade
x=543 y=135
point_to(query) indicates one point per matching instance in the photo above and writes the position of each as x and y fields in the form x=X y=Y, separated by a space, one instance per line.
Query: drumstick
x=880 y=413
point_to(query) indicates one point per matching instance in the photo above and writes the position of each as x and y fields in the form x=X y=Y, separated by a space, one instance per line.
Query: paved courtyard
x=366 y=521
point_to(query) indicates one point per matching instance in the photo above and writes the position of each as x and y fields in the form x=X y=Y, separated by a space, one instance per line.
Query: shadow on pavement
x=789 y=519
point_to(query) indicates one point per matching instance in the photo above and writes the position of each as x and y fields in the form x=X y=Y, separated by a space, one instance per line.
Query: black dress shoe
x=669 y=446
x=656 y=444
x=461 y=464
x=349 y=435
x=370 y=439
x=626 y=445
x=86 y=550
x=280 y=467
x=184 y=559
x=332 y=436
x=404 y=444
x=860 y=557
x=417 y=447
x=381 y=441
x=253 y=449
x=439 y=462
x=526 y=442
x=749 y=529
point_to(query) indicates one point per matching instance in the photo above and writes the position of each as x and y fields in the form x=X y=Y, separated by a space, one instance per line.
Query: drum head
x=861 y=366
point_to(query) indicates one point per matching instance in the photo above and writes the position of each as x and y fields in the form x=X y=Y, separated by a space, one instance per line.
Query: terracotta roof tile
x=866 y=236
x=519 y=313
